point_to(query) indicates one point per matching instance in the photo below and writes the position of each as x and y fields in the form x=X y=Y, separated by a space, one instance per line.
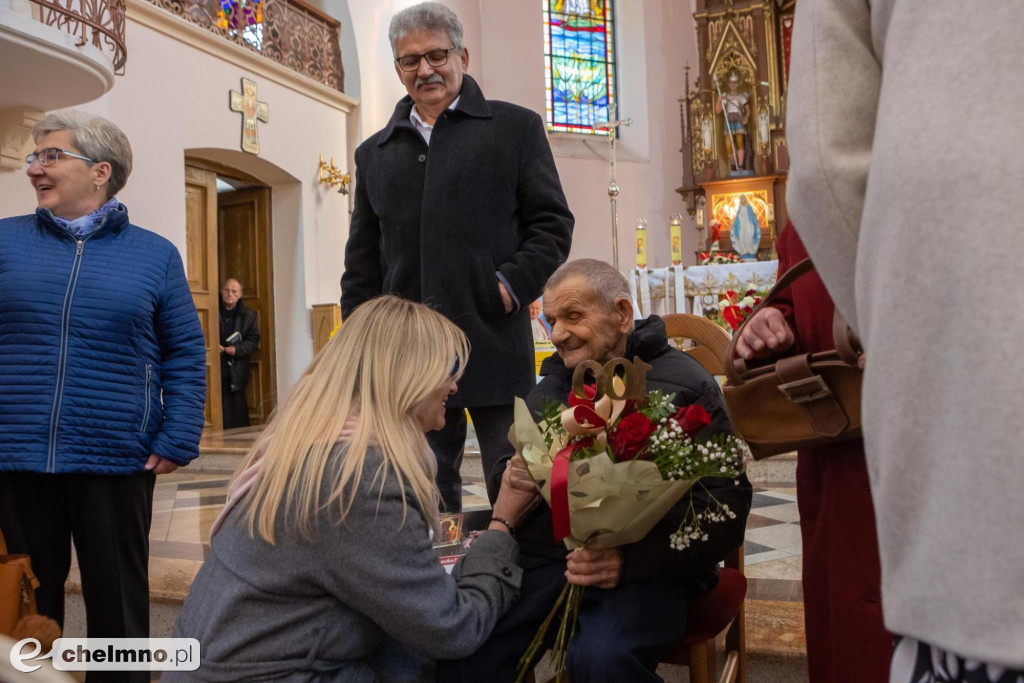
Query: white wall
x=174 y=98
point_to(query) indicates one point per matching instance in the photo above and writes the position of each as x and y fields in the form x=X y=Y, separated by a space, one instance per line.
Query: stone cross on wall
x=251 y=109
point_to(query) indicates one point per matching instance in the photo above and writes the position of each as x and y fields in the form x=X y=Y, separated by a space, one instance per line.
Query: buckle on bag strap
x=805 y=390
x=804 y=387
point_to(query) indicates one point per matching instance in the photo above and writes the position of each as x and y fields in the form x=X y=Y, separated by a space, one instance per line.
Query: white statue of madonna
x=746 y=231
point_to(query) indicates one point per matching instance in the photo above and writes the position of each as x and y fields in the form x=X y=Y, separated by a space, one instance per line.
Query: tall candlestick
x=641 y=243
x=675 y=231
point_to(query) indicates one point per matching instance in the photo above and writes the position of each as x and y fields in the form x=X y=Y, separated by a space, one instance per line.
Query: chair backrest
x=712 y=339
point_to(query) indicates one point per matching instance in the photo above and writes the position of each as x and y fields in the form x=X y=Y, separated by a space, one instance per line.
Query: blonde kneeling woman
x=321 y=566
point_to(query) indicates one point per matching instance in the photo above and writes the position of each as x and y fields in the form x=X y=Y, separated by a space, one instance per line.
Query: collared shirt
x=421 y=126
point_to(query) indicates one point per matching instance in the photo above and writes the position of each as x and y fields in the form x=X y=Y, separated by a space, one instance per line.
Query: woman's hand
x=518 y=494
x=764 y=334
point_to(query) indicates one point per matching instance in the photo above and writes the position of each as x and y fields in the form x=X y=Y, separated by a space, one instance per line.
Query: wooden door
x=244 y=253
x=201 y=260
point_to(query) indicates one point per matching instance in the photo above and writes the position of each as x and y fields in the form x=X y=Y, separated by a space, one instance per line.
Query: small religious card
x=451 y=530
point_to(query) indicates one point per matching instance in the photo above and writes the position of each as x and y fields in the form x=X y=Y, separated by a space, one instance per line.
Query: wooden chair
x=723 y=607
x=712 y=340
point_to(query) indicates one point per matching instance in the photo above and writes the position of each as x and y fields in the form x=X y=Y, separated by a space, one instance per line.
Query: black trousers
x=491 y=424
x=233 y=407
x=108 y=517
x=621 y=634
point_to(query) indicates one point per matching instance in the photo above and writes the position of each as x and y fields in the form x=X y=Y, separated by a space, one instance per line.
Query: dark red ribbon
x=560 y=494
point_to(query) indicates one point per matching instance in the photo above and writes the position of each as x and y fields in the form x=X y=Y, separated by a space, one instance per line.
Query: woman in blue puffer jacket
x=102 y=375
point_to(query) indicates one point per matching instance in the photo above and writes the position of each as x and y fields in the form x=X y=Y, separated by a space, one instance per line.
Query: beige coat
x=906 y=190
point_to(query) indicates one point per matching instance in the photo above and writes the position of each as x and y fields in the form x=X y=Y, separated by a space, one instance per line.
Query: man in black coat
x=638 y=596
x=458 y=205
x=239 y=338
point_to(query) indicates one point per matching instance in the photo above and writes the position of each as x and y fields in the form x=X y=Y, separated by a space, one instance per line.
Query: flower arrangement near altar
x=718 y=258
x=734 y=309
x=611 y=464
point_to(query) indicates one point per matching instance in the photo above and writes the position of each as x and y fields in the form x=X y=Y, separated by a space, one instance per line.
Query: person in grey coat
x=904 y=128
x=458 y=205
x=321 y=566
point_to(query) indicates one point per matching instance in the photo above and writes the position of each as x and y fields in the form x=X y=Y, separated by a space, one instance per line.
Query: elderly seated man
x=637 y=596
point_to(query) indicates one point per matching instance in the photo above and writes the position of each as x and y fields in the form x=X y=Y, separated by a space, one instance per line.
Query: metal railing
x=289 y=32
x=95 y=22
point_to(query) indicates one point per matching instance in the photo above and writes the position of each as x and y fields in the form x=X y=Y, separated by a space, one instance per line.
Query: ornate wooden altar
x=748 y=40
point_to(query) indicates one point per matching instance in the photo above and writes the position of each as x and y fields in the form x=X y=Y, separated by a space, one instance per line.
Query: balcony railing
x=96 y=22
x=289 y=32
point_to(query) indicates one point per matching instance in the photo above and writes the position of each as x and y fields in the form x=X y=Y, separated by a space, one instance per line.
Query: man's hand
x=519 y=476
x=230 y=350
x=764 y=334
x=159 y=465
x=600 y=568
x=506 y=298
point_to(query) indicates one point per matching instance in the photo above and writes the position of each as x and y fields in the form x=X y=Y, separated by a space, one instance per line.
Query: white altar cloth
x=666 y=290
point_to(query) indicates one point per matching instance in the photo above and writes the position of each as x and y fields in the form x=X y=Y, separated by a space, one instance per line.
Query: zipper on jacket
x=58 y=393
x=149 y=382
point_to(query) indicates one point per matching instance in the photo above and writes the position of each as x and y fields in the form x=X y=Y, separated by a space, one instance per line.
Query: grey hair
x=426 y=16
x=96 y=138
x=601 y=277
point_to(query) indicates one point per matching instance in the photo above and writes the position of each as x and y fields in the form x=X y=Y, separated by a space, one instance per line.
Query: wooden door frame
x=268 y=346
x=213 y=275
x=205 y=288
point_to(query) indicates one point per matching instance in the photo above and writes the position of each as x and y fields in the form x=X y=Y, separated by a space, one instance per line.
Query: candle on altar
x=641 y=243
x=771 y=213
x=675 y=230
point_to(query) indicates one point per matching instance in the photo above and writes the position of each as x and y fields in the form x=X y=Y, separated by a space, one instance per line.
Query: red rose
x=590 y=390
x=692 y=419
x=630 y=436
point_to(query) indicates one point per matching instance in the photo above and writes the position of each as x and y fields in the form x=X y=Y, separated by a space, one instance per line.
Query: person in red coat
x=846 y=637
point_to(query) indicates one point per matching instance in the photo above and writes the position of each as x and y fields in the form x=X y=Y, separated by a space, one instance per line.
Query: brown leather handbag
x=17 y=589
x=798 y=401
x=18 y=616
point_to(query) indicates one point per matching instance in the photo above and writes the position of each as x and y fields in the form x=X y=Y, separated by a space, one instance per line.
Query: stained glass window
x=242 y=16
x=579 y=64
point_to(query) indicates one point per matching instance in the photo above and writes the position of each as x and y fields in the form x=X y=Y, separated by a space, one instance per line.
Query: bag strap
x=800 y=384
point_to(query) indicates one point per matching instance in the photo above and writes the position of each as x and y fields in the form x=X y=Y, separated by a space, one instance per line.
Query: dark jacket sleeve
x=363 y=278
x=545 y=220
x=182 y=368
x=250 y=335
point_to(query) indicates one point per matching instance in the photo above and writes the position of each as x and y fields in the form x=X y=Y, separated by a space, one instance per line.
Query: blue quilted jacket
x=102 y=359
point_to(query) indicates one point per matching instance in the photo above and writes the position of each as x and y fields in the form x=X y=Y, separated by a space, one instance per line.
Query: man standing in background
x=239 y=338
x=458 y=205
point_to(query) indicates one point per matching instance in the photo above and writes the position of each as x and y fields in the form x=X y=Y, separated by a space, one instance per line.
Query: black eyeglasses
x=51 y=155
x=435 y=58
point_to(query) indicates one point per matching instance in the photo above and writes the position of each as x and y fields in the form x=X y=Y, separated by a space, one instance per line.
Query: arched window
x=579 y=64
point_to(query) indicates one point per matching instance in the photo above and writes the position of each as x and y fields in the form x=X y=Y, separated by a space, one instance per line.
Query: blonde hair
x=388 y=357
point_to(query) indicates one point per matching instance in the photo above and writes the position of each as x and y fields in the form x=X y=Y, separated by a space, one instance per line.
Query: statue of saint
x=746 y=231
x=735 y=105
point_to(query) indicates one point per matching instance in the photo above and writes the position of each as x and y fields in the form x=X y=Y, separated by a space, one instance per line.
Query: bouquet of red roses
x=612 y=464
